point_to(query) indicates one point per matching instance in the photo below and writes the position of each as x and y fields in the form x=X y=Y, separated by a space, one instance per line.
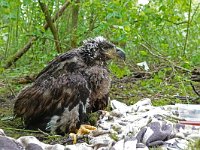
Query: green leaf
x=143 y=53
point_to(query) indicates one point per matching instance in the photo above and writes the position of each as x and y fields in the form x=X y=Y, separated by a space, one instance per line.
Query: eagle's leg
x=84 y=129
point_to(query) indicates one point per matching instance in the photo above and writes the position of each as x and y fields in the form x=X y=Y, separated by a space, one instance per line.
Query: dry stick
x=51 y=25
x=22 y=51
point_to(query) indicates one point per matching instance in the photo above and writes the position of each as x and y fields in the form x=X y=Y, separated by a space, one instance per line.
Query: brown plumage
x=72 y=85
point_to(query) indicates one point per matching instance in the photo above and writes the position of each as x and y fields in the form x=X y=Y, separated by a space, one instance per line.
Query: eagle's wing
x=58 y=64
x=63 y=98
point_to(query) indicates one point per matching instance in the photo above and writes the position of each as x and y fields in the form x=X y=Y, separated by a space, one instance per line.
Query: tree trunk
x=75 y=12
x=51 y=25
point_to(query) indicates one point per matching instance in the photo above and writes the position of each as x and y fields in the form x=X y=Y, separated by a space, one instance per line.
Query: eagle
x=70 y=87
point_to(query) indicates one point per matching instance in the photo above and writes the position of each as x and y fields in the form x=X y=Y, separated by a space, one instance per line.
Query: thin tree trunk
x=92 y=20
x=51 y=25
x=22 y=51
x=17 y=27
x=188 y=28
x=75 y=11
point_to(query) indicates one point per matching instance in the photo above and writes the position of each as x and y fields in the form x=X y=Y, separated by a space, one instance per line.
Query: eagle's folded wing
x=59 y=63
x=38 y=104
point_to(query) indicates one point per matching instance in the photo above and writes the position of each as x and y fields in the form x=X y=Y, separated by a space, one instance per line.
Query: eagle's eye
x=113 y=52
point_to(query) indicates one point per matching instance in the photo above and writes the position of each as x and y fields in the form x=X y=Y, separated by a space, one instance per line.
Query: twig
x=176 y=23
x=23 y=130
x=195 y=11
x=183 y=97
x=44 y=132
x=31 y=131
x=49 y=38
x=196 y=98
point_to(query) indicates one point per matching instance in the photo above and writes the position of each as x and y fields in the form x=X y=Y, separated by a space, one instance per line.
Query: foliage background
x=164 y=33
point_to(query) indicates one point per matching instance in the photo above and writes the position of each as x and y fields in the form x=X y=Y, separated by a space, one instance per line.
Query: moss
x=93 y=117
x=117 y=128
x=114 y=136
x=195 y=145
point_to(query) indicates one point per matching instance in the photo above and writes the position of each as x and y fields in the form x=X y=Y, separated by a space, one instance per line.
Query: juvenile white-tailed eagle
x=72 y=85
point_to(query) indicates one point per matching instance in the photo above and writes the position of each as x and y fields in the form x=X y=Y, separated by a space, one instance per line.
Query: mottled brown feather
x=70 y=86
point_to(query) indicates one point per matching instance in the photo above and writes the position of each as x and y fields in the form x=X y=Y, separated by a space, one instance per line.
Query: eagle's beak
x=114 y=53
x=120 y=53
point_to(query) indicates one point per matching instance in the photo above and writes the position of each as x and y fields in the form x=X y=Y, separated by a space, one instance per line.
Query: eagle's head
x=99 y=49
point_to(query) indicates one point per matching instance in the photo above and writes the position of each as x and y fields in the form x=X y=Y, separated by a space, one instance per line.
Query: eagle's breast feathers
x=72 y=85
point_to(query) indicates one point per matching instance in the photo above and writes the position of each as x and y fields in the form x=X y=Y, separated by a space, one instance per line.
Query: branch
x=19 y=53
x=59 y=13
x=176 y=23
x=195 y=11
x=3 y=27
x=51 y=25
x=22 y=51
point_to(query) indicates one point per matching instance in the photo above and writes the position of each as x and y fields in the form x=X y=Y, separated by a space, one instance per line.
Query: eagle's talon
x=85 y=129
x=74 y=137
